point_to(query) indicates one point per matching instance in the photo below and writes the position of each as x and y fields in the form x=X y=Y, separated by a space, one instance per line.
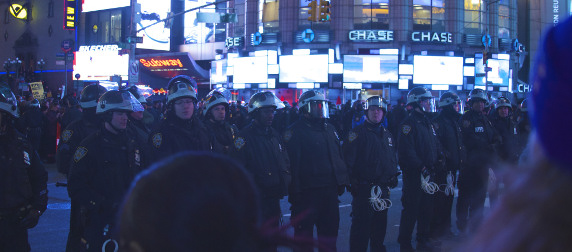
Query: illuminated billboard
x=196 y=32
x=97 y=5
x=99 y=62
x=156 y=37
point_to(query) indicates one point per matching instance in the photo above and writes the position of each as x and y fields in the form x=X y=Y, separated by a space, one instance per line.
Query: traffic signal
x=313 y=11
x=324 y=11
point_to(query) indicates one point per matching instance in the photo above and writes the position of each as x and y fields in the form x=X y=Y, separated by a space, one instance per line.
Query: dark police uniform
x=175 y=135
x=448 y=130
x=418 y=147
x=32 y=124
x=22 y=189
x=104 y=166
x=370 y=155
x=263 y=154
x=480 y=139
x=318 y=171
x=509 y=133
x=221 y=135
x=72 y=136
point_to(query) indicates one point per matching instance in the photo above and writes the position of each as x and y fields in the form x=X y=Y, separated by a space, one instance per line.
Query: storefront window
x=429 y=15
x=473 y=16
x=371 y=14
x=104 y=27
x=304 y=23
x=240 y=10
x=504 y=19
x=268 y=14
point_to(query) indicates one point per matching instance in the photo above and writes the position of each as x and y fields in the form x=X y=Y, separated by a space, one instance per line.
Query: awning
x=156 y=69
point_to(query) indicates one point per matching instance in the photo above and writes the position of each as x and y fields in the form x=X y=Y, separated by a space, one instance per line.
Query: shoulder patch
x=157 y=140
x=352 y=136
x=239 y=143
x=66 y=135
x=79 y=154
x=287 y=135
x=406 y=129
x=466 y=123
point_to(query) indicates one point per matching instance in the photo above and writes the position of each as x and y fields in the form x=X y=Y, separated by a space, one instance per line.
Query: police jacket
x=261 y=151
x=315 y=156
x=72 y=114
x=72 y=136
x=31 y=120
x=508 y=131
x=221 y=135
x=104 y=164
x=175 y=135
x=418 y=144
x=369 y=152
x=138 y=129
x=480 y=138
x=22 y=176
x=448 y=130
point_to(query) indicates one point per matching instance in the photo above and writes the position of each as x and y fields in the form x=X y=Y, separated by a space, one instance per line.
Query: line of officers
x=104 y=150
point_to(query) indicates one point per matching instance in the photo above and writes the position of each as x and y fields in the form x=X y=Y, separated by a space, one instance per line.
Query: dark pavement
x=51 y=233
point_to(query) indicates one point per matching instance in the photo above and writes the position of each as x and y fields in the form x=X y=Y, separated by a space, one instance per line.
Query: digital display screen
x=100 y=62
x=371 y=68
x=250 y=70
x=156 y=37
x=304 y=68
x=437 y=70
x=97 y=5
x=218 y=72
x=499 y=74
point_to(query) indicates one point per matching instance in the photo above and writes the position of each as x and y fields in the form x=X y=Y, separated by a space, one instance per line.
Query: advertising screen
x=499 y=74
x=437 y=70
x=371 y=68
x=251 y=70
x=156 y=37
x=196 y=32
x=304 y=68
x=100 y=62
x=218 y=72
x=96 y=5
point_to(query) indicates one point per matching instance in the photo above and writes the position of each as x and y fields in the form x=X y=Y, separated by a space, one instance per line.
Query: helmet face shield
x=318 y=109
x=428 y=105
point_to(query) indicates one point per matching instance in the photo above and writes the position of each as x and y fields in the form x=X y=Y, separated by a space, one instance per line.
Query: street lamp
x=41 y=65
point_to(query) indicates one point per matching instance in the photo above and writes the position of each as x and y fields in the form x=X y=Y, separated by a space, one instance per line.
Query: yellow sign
x=37 y=90
x=18 y=11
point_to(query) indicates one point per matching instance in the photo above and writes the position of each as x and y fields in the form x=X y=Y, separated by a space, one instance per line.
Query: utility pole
x=132 y=43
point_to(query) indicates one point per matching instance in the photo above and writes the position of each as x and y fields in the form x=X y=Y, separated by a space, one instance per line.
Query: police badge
x=66 y=135
x=157 y=140
x=79 y=153
x=26 y=158
x=406 y=129
x=352 y=136
x=239 y=143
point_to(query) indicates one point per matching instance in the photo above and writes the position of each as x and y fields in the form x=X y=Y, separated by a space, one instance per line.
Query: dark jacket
x=23 y=177
x=480 y=139
x=315 y=156
x=221 y=135
x=509 y=149
x=261 y=151
x=175 y=135
x=418 y=144
x=448 y=130
x=72 y=136
x=369 y=152
x=72 y=114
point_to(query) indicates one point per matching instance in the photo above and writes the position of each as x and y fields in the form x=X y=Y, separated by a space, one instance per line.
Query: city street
x=51 y=233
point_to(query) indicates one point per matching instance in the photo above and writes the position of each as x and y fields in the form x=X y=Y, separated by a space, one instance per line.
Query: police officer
x=523 y=127
x=260 y=149
x=370 y=155
x=71 y=110
x=180 y=130
x=448 y=130
x=137 y=122
x=221 y=133
x=32 y=124
x=319 y=173
x=480 y=139
x=419 y=151
x=71 y=137
x=104 y=165
x=506 y=127
x=23 y=193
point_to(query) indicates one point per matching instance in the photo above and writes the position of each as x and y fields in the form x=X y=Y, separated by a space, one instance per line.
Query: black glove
x=31 y=219
x=341 y=190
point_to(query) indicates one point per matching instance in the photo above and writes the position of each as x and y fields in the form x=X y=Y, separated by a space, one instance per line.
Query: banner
x=37 y=90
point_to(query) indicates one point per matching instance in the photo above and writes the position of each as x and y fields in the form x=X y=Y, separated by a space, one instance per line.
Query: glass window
x=473 y=16
x=504 y=19
x=303 y=21
x=371 y=14
x=200 y=32
x=429 y=15
x=239 y=7
x=104 y=27
x=268 y=16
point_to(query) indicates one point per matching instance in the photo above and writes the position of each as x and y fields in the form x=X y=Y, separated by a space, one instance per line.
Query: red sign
x=70 y=14
x=152 y=63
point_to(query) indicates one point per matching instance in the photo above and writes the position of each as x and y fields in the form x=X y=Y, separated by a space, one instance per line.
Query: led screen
x=250 y=70
x=437 y=70
x=96 y=5
x=200 y=33
x=499 y=74
x=371 y=68
x=156 y=37
x=304 y=68
x=100 y=62
x=218 y=71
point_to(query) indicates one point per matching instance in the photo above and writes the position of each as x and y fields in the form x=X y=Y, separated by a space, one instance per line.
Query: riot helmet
x=524 y=105
x=376 y=101
x=90 y=95
x=503 y=102
x=453 y=100
x=8 y=102
x=478 y=94
x=264 y=99
x=118 y=101
x=419 y=95
x=214 y=98
x=180 y=87
x=136 y=92
x=35 y=103
x=314 y=103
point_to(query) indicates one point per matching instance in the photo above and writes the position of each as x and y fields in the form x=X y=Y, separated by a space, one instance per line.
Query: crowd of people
x=191 y=175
